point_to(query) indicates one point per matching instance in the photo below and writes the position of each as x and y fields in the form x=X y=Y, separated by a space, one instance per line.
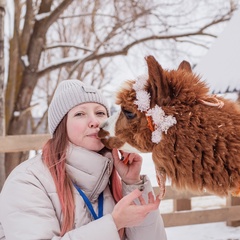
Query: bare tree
x=2 y=105
x=26 y=48
x=55 y=40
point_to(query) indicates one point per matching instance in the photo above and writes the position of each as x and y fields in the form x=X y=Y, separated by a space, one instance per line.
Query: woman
x=72 y=191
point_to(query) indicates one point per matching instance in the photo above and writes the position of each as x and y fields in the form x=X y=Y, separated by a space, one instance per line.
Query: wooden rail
x=21 y=143
x=182 y=214
x=203 y=216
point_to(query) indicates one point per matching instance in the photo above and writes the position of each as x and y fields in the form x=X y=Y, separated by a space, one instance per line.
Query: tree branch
x=27 y=28
x=54 y=15
x=69 y=45
x=77 y=61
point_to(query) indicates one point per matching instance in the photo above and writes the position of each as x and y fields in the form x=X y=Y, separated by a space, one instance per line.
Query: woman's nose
x=93 y=123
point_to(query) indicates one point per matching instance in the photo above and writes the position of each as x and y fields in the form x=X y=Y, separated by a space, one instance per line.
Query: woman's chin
x=95 y=147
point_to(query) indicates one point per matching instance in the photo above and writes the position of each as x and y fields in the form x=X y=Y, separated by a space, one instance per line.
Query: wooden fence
x=182 y=213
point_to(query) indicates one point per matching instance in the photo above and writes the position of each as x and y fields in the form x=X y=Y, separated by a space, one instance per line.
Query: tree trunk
x=2 y=108
x=19 y=122
x=22 y=81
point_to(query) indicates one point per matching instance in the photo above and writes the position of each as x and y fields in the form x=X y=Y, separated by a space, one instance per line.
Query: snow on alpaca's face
x=128 y=129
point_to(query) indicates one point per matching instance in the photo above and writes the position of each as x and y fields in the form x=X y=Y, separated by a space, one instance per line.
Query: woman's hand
x=130 y=172
x=127 y=214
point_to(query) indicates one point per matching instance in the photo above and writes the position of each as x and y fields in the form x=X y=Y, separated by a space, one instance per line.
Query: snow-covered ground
x=210 y=231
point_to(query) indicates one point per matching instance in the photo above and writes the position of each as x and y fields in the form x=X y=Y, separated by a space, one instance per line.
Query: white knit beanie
x=68 y=94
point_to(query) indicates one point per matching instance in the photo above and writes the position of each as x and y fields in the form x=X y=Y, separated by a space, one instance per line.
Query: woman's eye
x=101 y=113
x=79 y=114
x=128 y=114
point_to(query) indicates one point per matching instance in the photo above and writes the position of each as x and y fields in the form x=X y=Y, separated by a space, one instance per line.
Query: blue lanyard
x=89 y=205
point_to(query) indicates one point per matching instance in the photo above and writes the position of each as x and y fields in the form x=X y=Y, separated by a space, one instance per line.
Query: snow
x=42 y=16
x=25 y=60
x=220 y=66
x=208 y=231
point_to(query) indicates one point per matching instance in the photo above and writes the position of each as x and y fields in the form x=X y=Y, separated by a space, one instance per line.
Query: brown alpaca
x=197 y=135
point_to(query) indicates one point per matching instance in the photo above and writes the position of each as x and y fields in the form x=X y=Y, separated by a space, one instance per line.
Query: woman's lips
x=93 y=135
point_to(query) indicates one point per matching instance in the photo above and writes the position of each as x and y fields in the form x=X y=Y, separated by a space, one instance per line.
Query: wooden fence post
x=182 y=204
x=233 y=201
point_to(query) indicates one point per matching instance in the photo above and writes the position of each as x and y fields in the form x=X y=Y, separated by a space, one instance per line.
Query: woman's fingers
x=115 y=154
x=150 y=197
x=124 y=157
x=132 y=196
x=127 y=213
x=141 y=200
x=152 y=202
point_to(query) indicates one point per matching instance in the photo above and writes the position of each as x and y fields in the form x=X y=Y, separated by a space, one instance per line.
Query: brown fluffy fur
x=199 y=153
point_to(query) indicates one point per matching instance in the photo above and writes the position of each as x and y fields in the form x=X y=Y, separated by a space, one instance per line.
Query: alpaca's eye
x=129 y=115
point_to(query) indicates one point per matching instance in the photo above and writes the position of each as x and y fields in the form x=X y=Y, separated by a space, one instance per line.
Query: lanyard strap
x=89 y=205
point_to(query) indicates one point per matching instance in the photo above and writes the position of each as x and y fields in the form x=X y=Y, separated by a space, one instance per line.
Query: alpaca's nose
x=104 y=124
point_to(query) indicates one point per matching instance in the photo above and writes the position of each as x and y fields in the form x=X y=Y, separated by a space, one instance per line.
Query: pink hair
x=54 y=156
x=116 y=186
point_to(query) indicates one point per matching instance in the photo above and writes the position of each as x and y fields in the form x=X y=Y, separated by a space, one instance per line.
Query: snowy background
x=213 y=68
x=220 y=66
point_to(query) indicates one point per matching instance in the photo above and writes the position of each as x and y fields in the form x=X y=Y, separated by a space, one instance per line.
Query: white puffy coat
x=30 y=207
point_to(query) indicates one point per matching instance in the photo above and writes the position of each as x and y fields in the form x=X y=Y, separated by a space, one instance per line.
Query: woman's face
x=83 y=123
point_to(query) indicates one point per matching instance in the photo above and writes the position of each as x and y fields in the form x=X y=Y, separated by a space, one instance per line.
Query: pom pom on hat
x=70 y=93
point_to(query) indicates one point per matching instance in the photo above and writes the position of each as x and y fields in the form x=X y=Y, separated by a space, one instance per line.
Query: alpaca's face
x=150 y=106
x=127 y=129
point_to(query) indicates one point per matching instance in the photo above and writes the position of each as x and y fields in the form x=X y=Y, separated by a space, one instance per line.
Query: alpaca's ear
x=158 y=85
x=184 y=65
